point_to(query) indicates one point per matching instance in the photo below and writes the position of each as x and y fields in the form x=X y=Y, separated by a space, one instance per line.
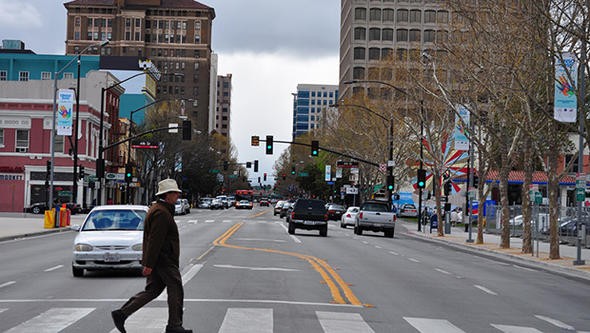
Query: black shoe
x=119 y=319
x=178 y=329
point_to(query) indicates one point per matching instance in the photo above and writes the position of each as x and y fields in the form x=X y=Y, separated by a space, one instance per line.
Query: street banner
x=461 y=125
x=565 y=99
x=65 y=105
x=338 y=172
x=328 y=176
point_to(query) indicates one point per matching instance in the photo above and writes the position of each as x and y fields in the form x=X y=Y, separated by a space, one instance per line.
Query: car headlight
x=137 y=247
x=83 y=247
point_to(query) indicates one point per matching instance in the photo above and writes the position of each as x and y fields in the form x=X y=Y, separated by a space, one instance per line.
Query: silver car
x=110 y=238
x=349 y=217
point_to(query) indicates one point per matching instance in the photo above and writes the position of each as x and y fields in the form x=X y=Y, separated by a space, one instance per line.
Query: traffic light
x=256 y=166
x=258 y=180
x=390 y=182
x=100 y=167
x=248 y=165
x=293 y=170
x=447 y=188
x=421 y=178
x=315 y=148
x=81 y=172
x=128 y=173
x=48 y=174
x=475 y=181
x=186 y=130
x=265 y=176
x=269 y=144
x=225 y=165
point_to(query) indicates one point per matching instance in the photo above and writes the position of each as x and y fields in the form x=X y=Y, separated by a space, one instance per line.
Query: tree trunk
x=504 y=172
x=527 y=245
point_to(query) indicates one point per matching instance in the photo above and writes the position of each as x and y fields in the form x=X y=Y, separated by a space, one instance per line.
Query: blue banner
x=65 y=105
x=565 y=98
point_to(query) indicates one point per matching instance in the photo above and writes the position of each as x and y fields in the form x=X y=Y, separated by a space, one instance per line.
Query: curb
x=36 y=233
x=544 y=266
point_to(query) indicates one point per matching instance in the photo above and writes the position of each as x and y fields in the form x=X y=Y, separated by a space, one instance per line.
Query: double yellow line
x=334 y=282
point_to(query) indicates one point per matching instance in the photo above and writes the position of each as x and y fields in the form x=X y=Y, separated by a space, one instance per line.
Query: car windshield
x=375 y=207
x=115 y=219
x=312 y=204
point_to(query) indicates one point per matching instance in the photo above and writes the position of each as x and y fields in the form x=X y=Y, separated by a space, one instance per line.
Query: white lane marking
x=525 y=268
x=2 y=310
x=53 y=268
x=146 y=320
x=6 y=284
x=193 y=221
x=394 y=253
x=515 y=329
x=442 y=271
x=340 y=322
x=427 y=325
x=226 y=221
x=209 y=221
x=259 y=268
x=295 y=239
x=485 y=289
x=378 y=247
x=556 y=322
x=241 y=320
x=52 y=320
x=260 y=240
x=414 y=260
x=186 y=277
x=365 y=242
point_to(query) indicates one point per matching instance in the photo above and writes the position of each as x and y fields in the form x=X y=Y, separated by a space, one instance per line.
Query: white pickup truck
x=375 y=216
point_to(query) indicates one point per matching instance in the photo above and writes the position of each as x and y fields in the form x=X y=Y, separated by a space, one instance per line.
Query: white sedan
x=244 y=204
x=349 y=216
x=110 y=238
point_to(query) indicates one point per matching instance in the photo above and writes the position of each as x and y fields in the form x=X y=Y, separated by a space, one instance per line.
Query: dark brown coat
x=161 y=243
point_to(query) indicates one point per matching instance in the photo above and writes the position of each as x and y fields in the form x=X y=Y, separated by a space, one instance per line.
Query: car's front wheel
x=389 y=234
x=36 y=210
x=291 y=228
x=324 y=231
x=77 y=272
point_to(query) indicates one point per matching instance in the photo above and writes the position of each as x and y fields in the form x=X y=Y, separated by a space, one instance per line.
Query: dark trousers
x=162 y=277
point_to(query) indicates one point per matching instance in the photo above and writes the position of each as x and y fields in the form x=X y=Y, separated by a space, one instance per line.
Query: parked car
x=182 y=207
x=110 y=238
x=41 y=207
x=205 y=203
x=349 y=216
x=231 y=201
x=407 y=210
x=244 y=204
x=309 y=214
x=278 y=207
x=375 y=216
x=216 y=204
x=224 y=201
x=335 y=211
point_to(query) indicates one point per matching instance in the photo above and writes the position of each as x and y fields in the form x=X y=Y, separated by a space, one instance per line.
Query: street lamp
x=52 y=148
x=100 y=165
x=421 y=136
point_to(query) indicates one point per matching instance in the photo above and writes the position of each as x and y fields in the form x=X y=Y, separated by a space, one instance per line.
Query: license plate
x=111 y=257
x=308 y=222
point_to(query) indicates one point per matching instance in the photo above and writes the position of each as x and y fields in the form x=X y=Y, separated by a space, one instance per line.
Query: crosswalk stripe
x=247 y=320
x=556 y=322
x=2 y=310
x=342 y=322
x=515 y=329
x=427 y=325
x=146 y=320
x=51 y=321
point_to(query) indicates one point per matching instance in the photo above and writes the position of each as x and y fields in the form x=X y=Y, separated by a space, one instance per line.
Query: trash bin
x=49 y=219
x=64 y=217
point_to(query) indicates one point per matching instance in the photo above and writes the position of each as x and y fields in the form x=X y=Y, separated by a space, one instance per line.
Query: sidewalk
x=491 y=246
x=18 y=225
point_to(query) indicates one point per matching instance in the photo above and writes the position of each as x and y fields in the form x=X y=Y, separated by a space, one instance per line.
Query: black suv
x=309 y=214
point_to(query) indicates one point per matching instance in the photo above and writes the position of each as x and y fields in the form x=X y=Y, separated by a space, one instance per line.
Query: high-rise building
x=372 y=31
x=309 y=104
x=223 y=114
x=174 y=34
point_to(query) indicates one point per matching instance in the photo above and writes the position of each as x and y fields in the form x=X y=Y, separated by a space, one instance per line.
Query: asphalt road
x=244 y=273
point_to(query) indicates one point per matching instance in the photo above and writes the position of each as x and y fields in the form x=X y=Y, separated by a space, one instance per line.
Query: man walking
x=160 y=260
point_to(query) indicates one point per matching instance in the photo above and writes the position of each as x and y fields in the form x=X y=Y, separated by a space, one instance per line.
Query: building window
x=388 y=15
x=430 y=16
x=442 y=17
x=415 y=16
x=386 y=53
x=414 y=35
x=1 y=137
x=77 y=21
x=374 y=53
x=375 y=14
x=388 y=34
x=442 y=36
x=45 y=75
x=3 y=75
x=360 y=14
x=402 y=15
x=58 y=143
x=358 y=73
x=68 y=75
x=76 y=35
x=429 y=36
x=402 y=35
x=23 y=76
x=374 y=34
x=360 y=33
x=22 y=140
x=359 y=53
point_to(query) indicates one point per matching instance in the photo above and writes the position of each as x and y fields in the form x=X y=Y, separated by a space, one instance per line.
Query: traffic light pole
x=421 y=164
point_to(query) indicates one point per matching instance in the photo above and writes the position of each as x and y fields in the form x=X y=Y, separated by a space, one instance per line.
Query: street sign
x=172 y=128
x=255 y=141
x=303 y=174
x=114 y=176
x=352 y=190
x=347 y=165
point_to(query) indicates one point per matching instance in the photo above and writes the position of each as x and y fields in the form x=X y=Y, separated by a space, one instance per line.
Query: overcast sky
x=269 y=46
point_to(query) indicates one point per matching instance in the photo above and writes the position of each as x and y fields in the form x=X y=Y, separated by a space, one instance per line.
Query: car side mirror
x=75 y=227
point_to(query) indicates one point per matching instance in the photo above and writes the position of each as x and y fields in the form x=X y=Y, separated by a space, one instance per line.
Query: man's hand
x=147 y=271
